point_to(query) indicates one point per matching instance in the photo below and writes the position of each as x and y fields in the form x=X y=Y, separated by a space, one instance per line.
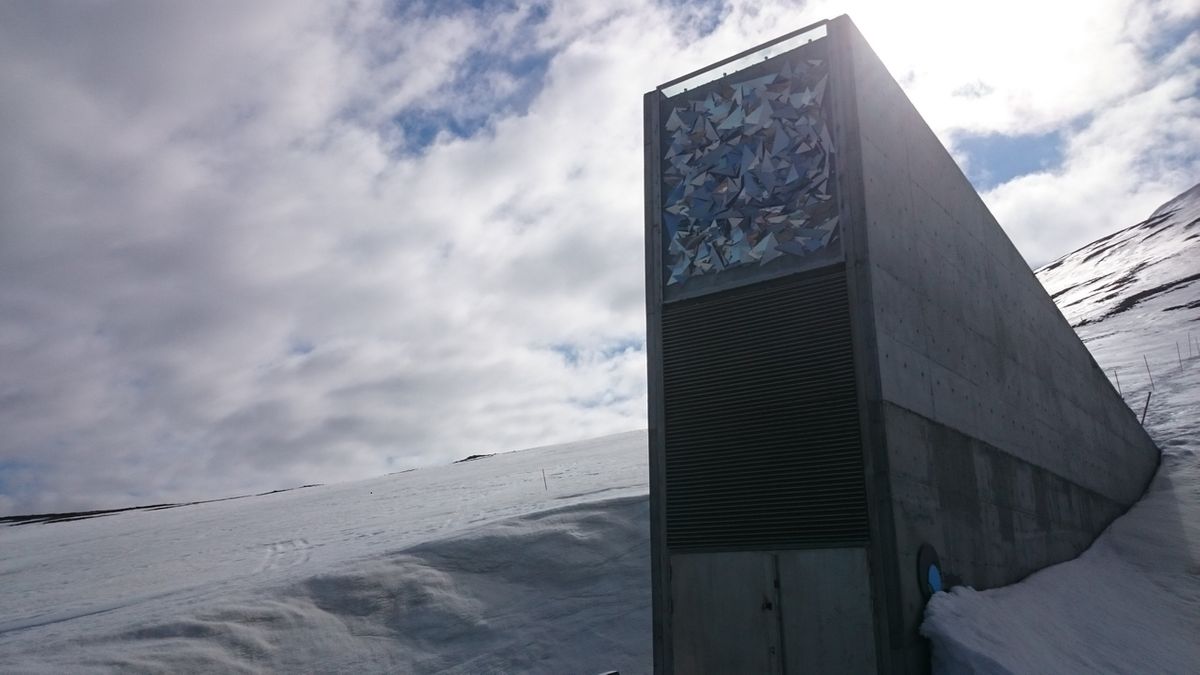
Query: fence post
x=1148 y=372
x=1146 y=407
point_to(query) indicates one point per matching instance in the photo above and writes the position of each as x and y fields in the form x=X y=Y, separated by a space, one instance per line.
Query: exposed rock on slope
x=1153 y=266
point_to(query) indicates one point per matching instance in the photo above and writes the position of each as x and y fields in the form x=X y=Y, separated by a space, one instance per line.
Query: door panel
x=725 y=613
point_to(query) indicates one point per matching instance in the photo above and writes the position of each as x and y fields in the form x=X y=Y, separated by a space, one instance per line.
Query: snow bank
x=470 y=568
x=558 y=591
x=1129 y=604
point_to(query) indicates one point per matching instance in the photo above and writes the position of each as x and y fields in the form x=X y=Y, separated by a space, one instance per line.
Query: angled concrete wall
x=1006 y=447
x=903 y=380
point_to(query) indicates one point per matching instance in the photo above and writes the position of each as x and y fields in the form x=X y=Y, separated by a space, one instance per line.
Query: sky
x=248 y=246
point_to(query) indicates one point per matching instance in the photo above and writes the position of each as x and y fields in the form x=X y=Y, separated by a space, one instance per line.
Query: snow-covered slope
x=482 y=566
x=1131 y=602
x=1153 y=265
x=1136 y=293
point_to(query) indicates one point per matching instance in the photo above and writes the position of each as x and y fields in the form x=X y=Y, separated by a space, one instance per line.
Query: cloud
x=186 y=209
x=1131 y=156
x=250 y=247
x=1115 y=85
x=1130 y=159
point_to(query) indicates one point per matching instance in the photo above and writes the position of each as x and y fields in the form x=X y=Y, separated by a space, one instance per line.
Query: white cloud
x=224 y=269
x=1131 y=156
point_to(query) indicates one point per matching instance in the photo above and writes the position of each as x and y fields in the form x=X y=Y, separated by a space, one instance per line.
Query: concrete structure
x=849 y=361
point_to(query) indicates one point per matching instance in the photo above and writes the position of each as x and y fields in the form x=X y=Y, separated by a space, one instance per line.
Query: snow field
x=469 y=568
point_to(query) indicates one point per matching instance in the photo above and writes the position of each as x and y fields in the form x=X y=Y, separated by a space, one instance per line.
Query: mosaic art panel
x=748 y=169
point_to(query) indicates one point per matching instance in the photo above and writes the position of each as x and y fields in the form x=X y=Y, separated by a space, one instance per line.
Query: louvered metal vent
x=763 y=449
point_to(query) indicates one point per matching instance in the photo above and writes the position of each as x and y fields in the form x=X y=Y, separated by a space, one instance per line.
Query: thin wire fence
x=1161 y=362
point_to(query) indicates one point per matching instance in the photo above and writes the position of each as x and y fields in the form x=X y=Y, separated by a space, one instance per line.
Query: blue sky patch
x=300 y=347
x=621 y=346
x=1167 y=38
x=573 y=354
x=996 y=159
x=498 y=79
x=479 y=105
x=421 y=127
x=569 y=352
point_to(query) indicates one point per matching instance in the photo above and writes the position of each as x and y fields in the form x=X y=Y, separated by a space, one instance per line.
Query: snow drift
x=469 y=568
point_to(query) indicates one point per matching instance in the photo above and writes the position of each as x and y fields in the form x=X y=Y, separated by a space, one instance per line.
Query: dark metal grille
x=763 y=449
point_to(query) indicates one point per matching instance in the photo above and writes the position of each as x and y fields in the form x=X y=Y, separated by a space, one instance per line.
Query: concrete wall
x=1004 y=445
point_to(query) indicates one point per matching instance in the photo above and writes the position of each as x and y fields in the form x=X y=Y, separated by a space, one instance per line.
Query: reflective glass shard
x=747 y=170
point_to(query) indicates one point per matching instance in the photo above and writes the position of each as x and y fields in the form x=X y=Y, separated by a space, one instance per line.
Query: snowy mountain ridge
x=1153 y=265
x=1134 y=296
